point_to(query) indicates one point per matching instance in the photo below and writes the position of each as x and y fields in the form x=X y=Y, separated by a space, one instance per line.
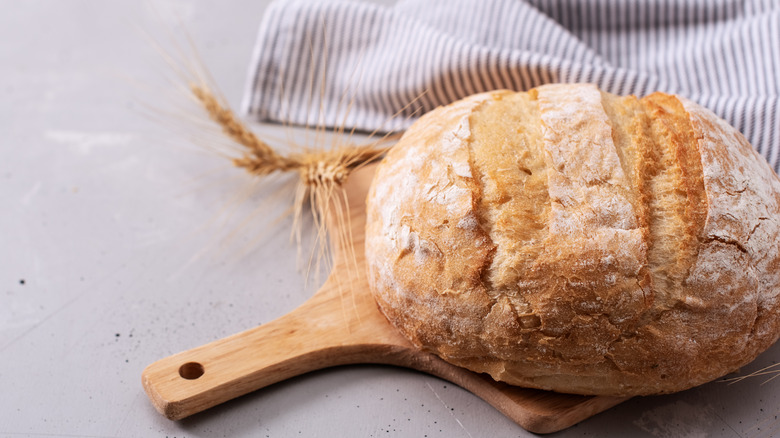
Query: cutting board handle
x=338 y=325
x=301 y=341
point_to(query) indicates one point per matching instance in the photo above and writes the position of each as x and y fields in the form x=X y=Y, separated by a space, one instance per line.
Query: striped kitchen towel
x=372 y=67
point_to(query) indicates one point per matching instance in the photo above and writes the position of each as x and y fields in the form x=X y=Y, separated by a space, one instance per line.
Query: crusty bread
x=573 y=240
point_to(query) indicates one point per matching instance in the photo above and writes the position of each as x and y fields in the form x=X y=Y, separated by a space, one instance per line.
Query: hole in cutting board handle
x=191 y=370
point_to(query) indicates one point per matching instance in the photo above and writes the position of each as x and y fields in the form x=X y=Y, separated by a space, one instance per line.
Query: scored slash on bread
x=573 y=240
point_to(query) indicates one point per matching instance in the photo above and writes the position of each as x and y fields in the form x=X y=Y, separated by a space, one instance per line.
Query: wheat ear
x=315 y=167
x=321 y=175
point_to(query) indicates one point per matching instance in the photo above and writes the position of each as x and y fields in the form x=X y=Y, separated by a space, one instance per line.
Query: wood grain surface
x=340 y=324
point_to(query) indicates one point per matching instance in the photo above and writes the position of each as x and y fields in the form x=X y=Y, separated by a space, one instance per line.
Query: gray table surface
x=120 y=244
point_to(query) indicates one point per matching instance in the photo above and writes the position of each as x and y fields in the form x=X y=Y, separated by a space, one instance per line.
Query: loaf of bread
x=572 y=240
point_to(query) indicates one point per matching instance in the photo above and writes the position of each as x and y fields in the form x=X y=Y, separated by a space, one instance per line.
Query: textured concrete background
x=121 y=243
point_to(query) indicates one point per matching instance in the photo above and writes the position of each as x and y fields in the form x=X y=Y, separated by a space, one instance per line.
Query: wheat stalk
x=316 y=168
x=321 y=176
x=770 y=370
x=260 y=158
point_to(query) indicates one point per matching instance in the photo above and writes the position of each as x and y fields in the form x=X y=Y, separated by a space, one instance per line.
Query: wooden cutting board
x=338 y=325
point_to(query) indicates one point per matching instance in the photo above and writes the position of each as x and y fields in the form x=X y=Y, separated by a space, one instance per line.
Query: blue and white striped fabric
x=357 y=64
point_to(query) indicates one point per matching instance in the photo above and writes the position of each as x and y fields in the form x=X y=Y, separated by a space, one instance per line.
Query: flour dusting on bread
x=573 y=240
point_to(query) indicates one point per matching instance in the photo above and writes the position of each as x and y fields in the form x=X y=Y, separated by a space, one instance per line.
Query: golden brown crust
x=573 y=240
